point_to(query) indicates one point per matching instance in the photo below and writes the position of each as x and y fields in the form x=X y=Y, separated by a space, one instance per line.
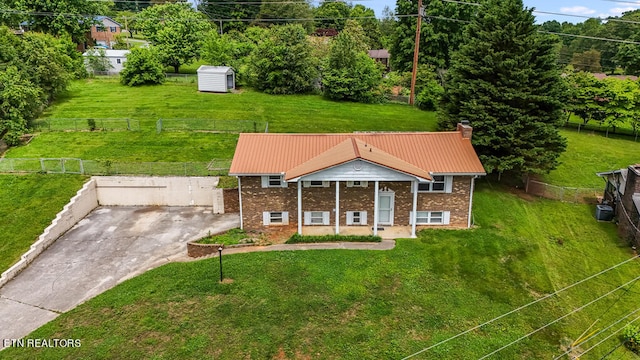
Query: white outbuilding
x=112 y=60
x=216 y=78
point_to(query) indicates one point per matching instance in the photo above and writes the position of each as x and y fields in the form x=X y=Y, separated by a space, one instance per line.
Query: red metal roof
x=413 y=153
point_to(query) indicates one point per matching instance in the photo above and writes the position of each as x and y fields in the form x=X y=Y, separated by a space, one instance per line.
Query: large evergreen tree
x=504 y=81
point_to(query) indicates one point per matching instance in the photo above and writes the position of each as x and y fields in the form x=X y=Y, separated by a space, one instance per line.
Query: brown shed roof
x=298 y=154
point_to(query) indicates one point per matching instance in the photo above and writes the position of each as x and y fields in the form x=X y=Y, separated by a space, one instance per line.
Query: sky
x=591 y=8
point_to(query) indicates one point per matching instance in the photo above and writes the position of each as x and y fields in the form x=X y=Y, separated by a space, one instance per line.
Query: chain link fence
x=213 y=125
x=215 y=167
x=163 y=124
x=86 y=124
x=563 y=193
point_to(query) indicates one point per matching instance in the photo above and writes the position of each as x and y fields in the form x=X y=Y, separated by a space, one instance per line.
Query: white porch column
x=414 y=208
x=337 y=207
x=299 y=185
x=375 y=208
x=470 y=201
x=240 y=201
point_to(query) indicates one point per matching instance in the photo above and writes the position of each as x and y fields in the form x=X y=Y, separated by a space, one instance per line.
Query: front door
x=230 y=81
x=385 y=208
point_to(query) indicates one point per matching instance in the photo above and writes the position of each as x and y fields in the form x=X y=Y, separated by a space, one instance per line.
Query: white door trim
x=391 y=196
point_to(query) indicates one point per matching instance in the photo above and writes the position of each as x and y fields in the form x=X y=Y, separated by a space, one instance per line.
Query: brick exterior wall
x=256 y=199
x=457 y=202
x=625 y=228
x=231 y=200
x=106 y=35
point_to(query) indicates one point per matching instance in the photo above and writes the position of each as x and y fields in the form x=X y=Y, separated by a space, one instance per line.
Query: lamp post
x=220 y=256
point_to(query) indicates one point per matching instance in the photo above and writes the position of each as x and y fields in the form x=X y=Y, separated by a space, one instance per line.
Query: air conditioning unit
x=604 y=213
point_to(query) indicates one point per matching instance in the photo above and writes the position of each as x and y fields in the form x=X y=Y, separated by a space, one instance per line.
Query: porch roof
x=290 y=154
x=352 y=149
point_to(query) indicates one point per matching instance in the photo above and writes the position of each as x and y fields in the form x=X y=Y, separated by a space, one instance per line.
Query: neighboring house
x=104 y=32
x=381 y=55
x=623 y=193
x=368 y=181
x=114 y=60
x=216 y=78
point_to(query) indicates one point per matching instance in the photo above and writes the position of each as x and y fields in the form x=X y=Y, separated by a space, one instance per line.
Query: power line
x=558 y=319
x=520 y=308
x=616 y=347
x=590 y=37
x=601 y=331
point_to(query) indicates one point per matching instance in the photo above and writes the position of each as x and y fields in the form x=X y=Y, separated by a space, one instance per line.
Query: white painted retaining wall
x=160 y=191
x=123 y=191
x=78 y=207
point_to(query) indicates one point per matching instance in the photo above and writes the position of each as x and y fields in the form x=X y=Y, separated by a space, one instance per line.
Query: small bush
x=296 y=238
x=142 y=67
x=631 y=337
x=429 y=96
x=92 y=124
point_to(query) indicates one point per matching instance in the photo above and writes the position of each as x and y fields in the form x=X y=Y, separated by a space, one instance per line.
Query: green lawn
x=106 y=98
x=591 y=152
x=29 y=204
x=342 y=304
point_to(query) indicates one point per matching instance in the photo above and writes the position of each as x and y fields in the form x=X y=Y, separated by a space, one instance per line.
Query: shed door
x=230 y=81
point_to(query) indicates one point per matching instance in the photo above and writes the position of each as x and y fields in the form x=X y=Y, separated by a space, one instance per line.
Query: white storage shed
x=114 y=60
x=216 y=78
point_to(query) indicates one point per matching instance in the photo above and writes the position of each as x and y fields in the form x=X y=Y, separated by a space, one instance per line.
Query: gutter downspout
x=375 y=209
x=337 y=207
x=299 y=185
x=240 y=201
x=471 y=201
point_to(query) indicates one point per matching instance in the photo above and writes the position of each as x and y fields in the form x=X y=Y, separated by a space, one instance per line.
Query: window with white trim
x=431 y=217
x=275 y=218
x=315 y=183
x=356 y=183
x=441 y=183
x=316 y=218
x=356 y=218
x=269 y=181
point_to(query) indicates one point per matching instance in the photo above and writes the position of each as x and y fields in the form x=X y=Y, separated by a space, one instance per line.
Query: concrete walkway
x=107 y=247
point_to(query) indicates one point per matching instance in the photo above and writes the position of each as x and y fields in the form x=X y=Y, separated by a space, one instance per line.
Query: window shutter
x=445 y=217
x=284 y=183
x=325 y=218
x=307 y=218
x=363 y=217
x=349 y=217
x=265 y=218
x=306 y=183
x=265 y=181
x=349 y=184
x=448 y=183
x=364 y=184
x=325 y=184
x=285 y=218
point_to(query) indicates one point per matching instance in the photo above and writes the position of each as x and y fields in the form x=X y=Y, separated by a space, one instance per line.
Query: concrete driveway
x=107 y=247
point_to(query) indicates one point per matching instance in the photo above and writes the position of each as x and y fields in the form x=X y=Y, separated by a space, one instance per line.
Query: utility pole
x=416 y=49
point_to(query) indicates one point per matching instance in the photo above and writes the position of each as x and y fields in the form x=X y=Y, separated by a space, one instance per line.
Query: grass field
x=588 y=153
x=371 y=305
x=106 y=98
x=29 y=203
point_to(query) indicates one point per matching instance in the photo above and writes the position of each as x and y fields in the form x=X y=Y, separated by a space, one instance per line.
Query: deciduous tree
x=143 y=67
x=176 y=30
x=283 y=63
x=350 y=74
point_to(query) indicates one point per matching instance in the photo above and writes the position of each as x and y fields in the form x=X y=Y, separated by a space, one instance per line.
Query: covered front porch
x=386 y=232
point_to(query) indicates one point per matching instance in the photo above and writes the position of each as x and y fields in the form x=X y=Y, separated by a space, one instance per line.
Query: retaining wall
x=78 y=207
x=160 y=191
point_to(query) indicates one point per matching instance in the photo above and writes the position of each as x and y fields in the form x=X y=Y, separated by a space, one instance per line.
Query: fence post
x=562 y=193
x=128 y=125
x=159 y=126
x=81 y=167
x=266 y=129
x=42 y=165
x=62 y=161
